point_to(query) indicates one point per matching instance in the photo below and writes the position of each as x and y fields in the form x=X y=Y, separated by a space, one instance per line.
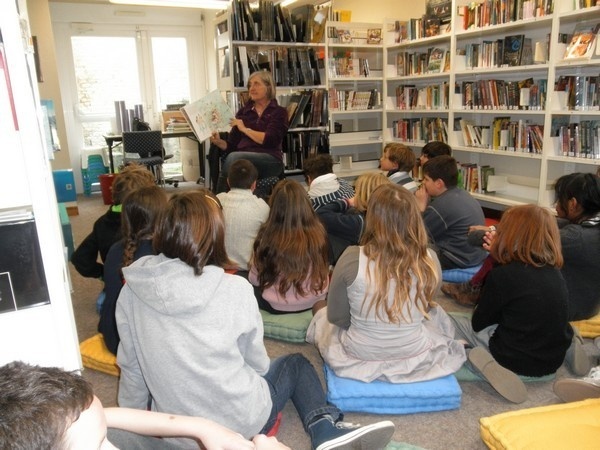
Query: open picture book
x=208 y=115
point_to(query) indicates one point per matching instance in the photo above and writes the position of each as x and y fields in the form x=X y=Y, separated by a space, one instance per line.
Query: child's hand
x=488 y=239
x=263 y=442
x=422 y=198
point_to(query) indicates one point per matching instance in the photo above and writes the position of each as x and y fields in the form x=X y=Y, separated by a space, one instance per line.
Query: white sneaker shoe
x=574 y=390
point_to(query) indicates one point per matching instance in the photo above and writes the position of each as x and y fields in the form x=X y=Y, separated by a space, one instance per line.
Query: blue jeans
x=293 y=377
x=267 y=166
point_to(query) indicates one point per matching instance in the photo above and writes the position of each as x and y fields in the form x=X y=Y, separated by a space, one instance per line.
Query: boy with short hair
x=450 y=214
x=323 y=185
x=47 y=407
x=399 y=160
x=244 y=212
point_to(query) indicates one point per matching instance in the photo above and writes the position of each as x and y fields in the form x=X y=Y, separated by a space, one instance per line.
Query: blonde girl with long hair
x=381 y=321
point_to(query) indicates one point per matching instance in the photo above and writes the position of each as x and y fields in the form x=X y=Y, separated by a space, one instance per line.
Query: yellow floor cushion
x=589 y=328
x=562 y=426
x=95 y=355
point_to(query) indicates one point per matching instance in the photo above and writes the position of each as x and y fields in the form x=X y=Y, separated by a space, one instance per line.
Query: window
x=152 y=64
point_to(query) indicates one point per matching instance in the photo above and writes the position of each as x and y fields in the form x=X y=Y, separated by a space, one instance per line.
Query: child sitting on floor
x=522 y=315
x=380 y=321
x=289 y=267
x=399 y=160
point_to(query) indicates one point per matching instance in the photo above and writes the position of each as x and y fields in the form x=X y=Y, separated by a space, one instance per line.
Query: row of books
x=433 y=96
x=514 y=50
x=306 y=108
x=299 y=146
x=290 y=66
x=423 y=129
x=351 y=100
x=345 y=65
x=582 y=4
x=434 y=60
x=271 y=22
x=504 y=134
x=495 y=12
x=579 y=139
x=474 y=178
x=582 y=92
x=499 y=94
x=418 y=28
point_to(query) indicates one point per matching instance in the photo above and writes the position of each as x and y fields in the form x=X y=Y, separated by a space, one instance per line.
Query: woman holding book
x=257 y=131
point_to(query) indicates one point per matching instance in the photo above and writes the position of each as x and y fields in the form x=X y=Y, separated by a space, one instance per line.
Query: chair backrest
x=144 y=143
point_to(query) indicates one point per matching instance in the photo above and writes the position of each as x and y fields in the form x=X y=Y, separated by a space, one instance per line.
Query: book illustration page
x=208 y=115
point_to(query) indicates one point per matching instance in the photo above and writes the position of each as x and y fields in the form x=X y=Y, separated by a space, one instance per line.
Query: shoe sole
x=370 y=437
x=505 y=382
x=577 y=358
x=572 y=390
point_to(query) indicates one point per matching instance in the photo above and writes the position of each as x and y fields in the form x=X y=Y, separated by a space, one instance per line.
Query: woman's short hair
x=192 y=229
x=527 y=234
x=365 y=184
x=267 y=79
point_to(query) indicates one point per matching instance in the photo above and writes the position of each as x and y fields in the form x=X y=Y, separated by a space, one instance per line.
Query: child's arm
x=210 y=434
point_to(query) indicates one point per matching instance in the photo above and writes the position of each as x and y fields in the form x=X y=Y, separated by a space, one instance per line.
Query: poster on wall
x=22 y=277
x=50 y=129
x=6 y=94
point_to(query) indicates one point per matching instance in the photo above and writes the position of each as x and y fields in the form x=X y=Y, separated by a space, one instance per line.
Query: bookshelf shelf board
x=301 y=129
x=572 y=112
x=420 y=77
x=575 y=160
x=420 y=42
x=535 y=22
x=268 y=44
x=418 y=111
x=349 y=140
x=576 y=14
x=576 y=63
x=507 y=153
x=352 y=79
x=505 y=200
x=355 y=45
x=530 y=69
x=353 y=112
x=512 y=112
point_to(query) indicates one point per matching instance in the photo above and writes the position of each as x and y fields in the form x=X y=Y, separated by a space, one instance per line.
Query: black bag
x=138 y=125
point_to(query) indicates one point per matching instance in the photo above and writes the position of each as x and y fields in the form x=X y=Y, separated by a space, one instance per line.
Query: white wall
x=43 y=334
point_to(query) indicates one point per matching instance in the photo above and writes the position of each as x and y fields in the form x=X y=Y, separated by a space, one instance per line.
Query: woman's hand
x=238 y=123
x=488 y=239
x=216 y=140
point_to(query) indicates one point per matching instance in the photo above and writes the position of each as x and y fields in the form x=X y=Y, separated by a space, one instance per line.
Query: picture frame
x=344 y=36
x=374 y=36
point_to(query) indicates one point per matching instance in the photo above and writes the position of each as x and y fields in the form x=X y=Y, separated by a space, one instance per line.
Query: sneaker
x=464 y=294
x=327 y=434
x=576 y=357
x=506 y=383
x=574 y=390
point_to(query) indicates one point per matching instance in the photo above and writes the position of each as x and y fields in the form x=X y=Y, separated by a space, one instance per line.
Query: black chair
x=148 y=146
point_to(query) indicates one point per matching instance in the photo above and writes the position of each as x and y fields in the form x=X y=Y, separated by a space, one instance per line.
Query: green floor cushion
x=95 y=355
x=573 y=425
x=286 y=327
x=466 y=374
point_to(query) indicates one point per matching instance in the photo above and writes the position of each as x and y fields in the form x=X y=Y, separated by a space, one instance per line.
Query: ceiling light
x=287 y=2
x=203 y=4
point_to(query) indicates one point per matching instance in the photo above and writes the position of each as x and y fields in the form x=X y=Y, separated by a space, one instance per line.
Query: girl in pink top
x=289 y=267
